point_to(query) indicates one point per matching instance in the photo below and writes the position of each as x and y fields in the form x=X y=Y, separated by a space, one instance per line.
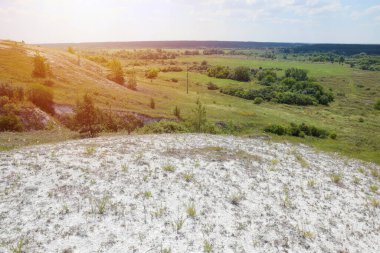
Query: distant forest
x=344 y=49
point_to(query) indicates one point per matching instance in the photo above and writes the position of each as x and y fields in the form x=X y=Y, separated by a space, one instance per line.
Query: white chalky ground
x=132 y=194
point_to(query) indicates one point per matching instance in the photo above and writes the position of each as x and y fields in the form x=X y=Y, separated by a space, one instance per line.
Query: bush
x=164 y=126
x=242 y=74
x=212 y=86
x=42 y=98
x=297 y=74
x=295 y=98
x=10 y=122
x=276 y=129
x=172 y=69
x=177 y=112
x=86 y=117
x=377 y=105
x=301 y=130
x=152 y=103
x=11 y=92
x=219 y=72
x=117 y=73
x=258 y=100
x=40 y=66
x=151 y=73
x=174 y=80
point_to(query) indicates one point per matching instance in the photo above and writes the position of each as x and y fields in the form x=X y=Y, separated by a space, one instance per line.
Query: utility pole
x=187 y=78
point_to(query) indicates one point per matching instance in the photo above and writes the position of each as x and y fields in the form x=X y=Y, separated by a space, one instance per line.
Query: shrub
x=11 y=92
x=40 y=66
x=297 y=74
x=258 y=100
x=242 y=74
x=298 y=130
x=152 y=103
x=219 y=72
x=174 y=80
x=199 y=120
x=172 y=69
x=87 y=117
x=177 y=112
x=276 y=129
x=164 y=126
x=295 y=98
x=212 y=86
x=10 y=122
x=42 y=98
x=377 y=105
x=151 y=74
x=117 y=73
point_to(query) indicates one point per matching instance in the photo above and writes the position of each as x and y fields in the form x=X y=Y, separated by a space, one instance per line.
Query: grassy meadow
x=351 y=116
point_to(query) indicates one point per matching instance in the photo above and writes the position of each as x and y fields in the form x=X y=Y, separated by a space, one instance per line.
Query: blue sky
x=335 y=21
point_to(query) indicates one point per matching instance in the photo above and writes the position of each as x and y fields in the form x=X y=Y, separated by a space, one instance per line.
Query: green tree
x=86 y=117
x=341 y=60
x=40 y=67
x=117 y=73
x=177 y=112
x=199 y=118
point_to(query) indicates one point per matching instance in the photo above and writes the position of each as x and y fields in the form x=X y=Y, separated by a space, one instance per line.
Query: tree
x=117 y=73
x=86 y=116
x=151 y=74
x=242 y=74
x=199 y=119
x=40 y=68
x=341 y=60
x=177 y=112
x=152 y=103
x=131 y=82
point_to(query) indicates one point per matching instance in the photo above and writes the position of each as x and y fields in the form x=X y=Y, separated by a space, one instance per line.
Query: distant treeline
x=347 y=49
x=343 y=49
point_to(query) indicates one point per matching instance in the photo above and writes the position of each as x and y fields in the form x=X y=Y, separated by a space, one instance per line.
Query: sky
x=312 y=21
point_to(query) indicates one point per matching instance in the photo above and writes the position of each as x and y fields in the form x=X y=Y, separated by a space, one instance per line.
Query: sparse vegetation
x=336 y=178
x=169 y=168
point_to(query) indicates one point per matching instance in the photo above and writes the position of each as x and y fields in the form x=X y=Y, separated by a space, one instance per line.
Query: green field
x=351 y=116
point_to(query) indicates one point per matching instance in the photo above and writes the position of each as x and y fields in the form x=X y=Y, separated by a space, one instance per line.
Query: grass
x=18 y=247
x=336 y=178
x=374 y=188
x=358 y=90
x=188 y=176
x=191 y=211
x=207 y=246
x=169 y=168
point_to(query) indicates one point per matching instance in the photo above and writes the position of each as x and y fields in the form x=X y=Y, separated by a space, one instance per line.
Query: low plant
x=169 y=168
x=336 y=178
x=374 y=188
x=18 y=247
x=191 y=211
x=188 y=176
x=207 y=246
